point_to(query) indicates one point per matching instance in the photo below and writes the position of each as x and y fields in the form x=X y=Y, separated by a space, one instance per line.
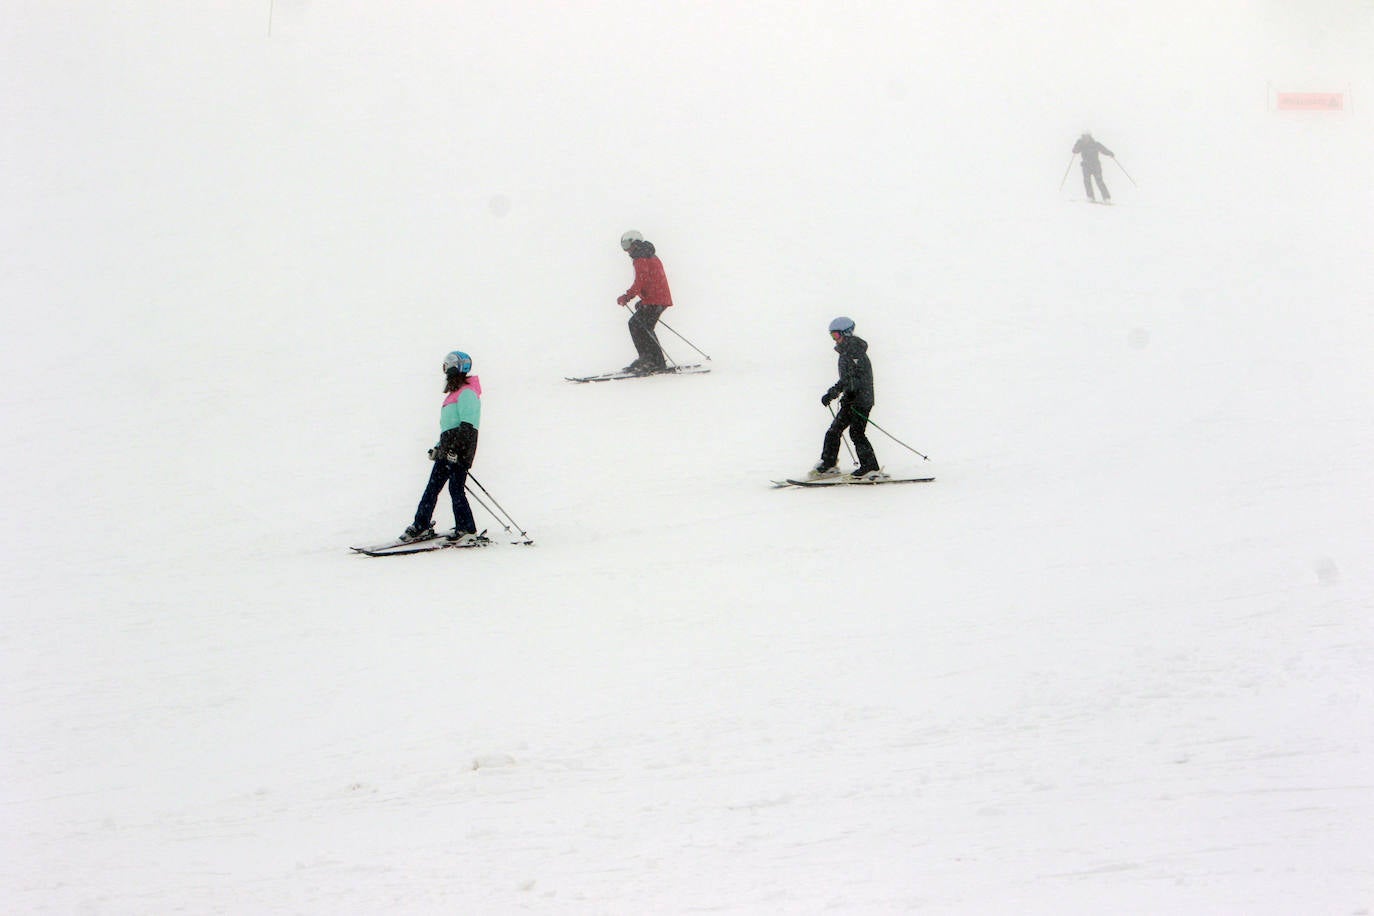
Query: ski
x=693 y=369
x=378 y=548
x=423 y=545
x=844 y=480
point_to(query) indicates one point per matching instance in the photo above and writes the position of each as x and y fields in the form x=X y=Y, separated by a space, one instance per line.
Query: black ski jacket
x=856 y=372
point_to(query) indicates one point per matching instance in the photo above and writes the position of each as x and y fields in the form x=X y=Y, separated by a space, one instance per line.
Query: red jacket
x=651 y=283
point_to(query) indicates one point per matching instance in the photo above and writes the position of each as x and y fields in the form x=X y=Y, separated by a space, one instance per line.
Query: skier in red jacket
x=651 y=287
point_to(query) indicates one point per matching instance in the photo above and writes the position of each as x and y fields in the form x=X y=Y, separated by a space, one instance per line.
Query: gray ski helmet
x=844 y=325
x=458 y=360
x=629 y=238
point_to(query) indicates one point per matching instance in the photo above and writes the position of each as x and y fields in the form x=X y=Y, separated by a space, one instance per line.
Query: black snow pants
x=855 y=418
x=642 y=324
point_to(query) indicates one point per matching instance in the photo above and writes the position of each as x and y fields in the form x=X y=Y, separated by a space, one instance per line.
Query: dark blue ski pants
x=456 y=476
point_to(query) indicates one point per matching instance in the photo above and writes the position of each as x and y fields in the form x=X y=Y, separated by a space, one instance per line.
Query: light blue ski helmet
x=629 y=238
x=458 y=360
x=844 y=325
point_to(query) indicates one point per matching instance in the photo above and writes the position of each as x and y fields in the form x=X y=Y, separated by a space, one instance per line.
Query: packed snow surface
x=1118 y=658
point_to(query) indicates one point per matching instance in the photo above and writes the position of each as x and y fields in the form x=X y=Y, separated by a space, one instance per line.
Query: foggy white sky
x=392 y=147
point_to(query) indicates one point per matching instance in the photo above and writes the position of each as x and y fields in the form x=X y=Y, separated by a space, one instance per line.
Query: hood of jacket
x=641 y=249
x=472 y=382
x=851 y=346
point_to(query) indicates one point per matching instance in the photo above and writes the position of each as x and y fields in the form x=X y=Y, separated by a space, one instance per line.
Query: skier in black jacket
x=856 y=387
x=1089 y=149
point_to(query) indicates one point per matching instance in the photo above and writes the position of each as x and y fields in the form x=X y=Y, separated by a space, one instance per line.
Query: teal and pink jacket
x=459 y=420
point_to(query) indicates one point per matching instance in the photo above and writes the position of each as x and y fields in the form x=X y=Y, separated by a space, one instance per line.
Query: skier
x=453 y=454
x=856 y=386
x=651 y=286
x=1088 y=148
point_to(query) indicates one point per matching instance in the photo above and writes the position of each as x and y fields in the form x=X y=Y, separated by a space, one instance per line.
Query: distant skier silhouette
x=1089 y=149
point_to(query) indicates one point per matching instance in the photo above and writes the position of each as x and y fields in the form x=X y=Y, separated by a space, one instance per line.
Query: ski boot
x=822 y=470
x=418 y=532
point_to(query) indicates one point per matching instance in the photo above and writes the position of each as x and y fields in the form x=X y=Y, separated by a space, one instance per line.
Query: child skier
x=453 y=454
x=651 y=286
x=856 y=386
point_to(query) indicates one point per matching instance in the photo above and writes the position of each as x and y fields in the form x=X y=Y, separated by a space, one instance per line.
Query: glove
x=434 y=453
x=828 y=397
x=622 y=300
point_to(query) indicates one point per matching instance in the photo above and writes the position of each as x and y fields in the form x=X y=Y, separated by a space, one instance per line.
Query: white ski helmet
x=629 y=238
x=844 y=325
x=458 y=360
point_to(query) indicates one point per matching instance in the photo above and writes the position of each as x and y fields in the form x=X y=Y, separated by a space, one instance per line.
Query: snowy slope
x=1117 y=658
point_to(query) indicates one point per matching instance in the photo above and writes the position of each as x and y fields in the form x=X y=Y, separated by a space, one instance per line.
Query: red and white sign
x=1311 y=101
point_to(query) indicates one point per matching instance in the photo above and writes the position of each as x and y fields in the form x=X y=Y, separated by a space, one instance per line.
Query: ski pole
x=1066 y=171
x=679 y=336
x=661 y=348
x=522 y=531
x=683 y=339
x=1124 y=172
x=849 y=448
x=503 y=517
x=483 y=503
x=497 y=518
x=893 y=438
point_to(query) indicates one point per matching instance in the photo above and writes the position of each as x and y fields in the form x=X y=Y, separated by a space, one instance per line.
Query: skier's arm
x=847 y=385
x=849 y=375
x=635 y=287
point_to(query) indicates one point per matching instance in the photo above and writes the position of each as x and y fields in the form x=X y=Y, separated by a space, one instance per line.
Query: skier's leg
x=868 y=459
x=438 y=476
x=1106 y=195
x=643 y=336
x=636 y=337
x=830 y=446
x=462 y=512
x=1088 y=182
x=651 y=315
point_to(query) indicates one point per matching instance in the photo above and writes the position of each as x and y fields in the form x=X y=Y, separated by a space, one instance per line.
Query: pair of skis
x=844 y=480
x=693 y=369
x=400 y=547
